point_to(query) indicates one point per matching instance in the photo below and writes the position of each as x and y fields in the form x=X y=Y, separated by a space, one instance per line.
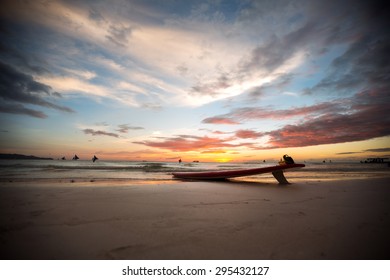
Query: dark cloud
x=223 y=81
x=365 y=65
x=17 y=88
x=119 y=35
x=379 y=150
x=21 y=110
x=277 y=50
x=99 y=133
x=15 y=57
x=366 y=62
x=182 y=69
x=95 y=15
x=278 y=84
x=124 y=128
x=348 y=153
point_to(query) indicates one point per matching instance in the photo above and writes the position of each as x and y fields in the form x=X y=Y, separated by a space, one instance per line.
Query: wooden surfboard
x=276 y=170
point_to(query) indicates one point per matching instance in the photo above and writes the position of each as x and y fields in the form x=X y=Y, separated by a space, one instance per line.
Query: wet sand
x=347 y=219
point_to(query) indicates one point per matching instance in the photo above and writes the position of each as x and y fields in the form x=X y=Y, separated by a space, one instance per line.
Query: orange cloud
x=214 y=152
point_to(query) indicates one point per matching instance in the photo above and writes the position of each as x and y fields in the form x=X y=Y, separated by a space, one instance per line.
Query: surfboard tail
x=279 y=175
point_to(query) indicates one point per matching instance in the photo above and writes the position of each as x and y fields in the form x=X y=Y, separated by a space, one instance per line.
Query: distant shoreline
x=18 y=156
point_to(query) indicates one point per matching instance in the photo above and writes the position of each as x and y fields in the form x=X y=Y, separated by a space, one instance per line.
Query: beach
x=173 y=219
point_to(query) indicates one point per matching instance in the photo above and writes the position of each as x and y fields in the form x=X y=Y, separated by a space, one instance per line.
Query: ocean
x=84 y=171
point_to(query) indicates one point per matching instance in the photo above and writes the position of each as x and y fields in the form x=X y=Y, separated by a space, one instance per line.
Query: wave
x=126 y=170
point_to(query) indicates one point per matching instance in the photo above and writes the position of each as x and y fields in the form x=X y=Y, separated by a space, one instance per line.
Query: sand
x=347 y=219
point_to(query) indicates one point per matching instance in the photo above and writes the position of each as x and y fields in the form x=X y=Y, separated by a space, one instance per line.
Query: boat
x=376 y=160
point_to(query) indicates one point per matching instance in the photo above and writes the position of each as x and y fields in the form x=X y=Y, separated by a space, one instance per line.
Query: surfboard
x=277 y=172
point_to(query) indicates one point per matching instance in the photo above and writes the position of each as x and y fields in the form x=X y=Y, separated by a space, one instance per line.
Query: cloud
x=74 y=84
x=17 y=58
x=21 y=110
x=363 y=116
x=154 y=49
x=17 y=88
x=213 y=152
x=379 y=150
x=278 y=84
x=275 y=52
x=158 y=43
x=124 y=128
x=247 y=133
x=235 y=82
x=240 y=115
x=99 y=133
x=218 y=53
x=119 y=34
x=366 y=119
x=185 y=143
x=85 y=74
x=219 y=120
x=220 y=132
x=362 y=65
x=101 y=124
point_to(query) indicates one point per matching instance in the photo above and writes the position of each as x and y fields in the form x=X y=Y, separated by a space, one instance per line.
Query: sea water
x=82 y=170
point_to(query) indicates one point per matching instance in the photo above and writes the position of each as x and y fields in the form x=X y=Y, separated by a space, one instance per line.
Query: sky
x=199 y=80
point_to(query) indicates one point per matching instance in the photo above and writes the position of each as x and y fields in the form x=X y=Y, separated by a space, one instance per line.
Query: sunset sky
x=198 y=80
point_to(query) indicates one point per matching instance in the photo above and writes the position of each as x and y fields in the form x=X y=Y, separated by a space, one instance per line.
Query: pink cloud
x=220 y=132
x=246 y=133
x=183 y=143
x=368 y=119
x=219 y=120
x=361 y=117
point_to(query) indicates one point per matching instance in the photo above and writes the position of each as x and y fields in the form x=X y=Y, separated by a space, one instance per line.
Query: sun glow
x=223 y=159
